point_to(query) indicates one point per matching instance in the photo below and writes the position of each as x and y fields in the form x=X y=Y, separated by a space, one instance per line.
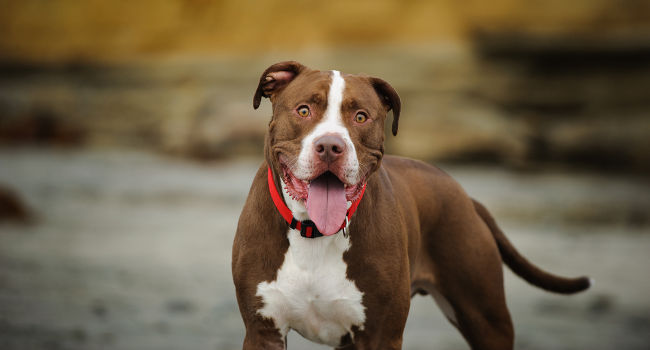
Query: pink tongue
x=326 y=203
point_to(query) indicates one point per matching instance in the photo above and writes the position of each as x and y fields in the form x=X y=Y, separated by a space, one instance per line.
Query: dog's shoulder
x=414 y=171
x=427 y=184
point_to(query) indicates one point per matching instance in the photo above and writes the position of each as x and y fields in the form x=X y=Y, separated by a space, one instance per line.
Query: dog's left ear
x=389 y=98
x=275 y=78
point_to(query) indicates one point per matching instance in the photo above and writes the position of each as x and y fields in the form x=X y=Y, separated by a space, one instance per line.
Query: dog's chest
x=311 y=293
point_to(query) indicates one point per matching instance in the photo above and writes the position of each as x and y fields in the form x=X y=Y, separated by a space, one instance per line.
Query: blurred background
x=128 y=143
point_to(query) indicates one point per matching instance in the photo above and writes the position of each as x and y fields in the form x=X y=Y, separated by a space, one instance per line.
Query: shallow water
x=131 y=250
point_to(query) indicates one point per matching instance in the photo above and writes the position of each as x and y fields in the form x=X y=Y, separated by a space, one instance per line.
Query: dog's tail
x=524 y=268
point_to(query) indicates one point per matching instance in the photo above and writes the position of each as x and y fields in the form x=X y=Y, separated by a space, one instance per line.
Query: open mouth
x=325 y=196
x=299 y=189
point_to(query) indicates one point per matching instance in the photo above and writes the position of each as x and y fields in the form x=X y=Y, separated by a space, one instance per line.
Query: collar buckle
x=308 y=229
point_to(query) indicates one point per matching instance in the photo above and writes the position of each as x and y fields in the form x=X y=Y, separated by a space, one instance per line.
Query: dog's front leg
x=363 y=342
x=258 y=252
x=384 y=328
x=262 y=334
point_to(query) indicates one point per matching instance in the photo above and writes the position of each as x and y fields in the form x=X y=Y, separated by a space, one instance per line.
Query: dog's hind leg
x=482 y=318
x=460 y=266
x=484 y=327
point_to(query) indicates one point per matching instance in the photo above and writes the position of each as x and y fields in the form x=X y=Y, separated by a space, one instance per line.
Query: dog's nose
x=329 y=147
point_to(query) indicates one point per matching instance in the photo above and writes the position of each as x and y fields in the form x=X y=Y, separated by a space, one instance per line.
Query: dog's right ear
x=275 y=78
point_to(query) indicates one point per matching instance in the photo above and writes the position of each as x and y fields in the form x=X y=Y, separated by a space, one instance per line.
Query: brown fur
x=415 y=230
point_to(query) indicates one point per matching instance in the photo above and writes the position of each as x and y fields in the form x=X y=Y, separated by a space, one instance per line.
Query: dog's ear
x=389 y=98
x=275 y=78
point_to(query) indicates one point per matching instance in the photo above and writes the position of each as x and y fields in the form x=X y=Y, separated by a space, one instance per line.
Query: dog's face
x=326 y=135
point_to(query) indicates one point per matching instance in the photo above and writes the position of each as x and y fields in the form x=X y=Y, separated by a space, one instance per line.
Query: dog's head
x=326 y=134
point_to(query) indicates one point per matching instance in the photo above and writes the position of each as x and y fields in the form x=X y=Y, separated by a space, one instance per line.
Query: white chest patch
x=311 y=293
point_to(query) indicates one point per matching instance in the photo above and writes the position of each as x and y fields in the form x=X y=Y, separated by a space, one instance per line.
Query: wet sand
x=131 y=250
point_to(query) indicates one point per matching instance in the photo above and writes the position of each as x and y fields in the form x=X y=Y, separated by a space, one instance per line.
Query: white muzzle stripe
x=331 y=123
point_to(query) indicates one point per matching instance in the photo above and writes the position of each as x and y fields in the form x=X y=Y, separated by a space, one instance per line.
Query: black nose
x=329 y=147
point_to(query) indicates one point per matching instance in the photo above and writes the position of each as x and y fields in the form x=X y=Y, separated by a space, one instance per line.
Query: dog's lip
x=298 y=188
x=286 y=169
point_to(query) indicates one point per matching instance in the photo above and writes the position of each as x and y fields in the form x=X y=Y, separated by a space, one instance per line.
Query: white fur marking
x=330 y=124
x=311 y=293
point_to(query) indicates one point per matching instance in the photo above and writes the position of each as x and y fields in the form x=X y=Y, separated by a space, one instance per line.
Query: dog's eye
x=360 y=117
x=303 y=111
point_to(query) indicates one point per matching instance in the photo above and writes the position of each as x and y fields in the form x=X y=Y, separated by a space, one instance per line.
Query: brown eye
x=360 y=118
x=303 y=111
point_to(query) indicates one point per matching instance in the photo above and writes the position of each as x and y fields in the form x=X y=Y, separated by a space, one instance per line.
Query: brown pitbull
x=335 y=238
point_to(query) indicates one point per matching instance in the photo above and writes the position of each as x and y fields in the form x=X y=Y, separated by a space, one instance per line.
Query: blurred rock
x=584 y=100
x=192 y=109
x=79 y=335
x=510 y=99
x=40 y=126
x=99 y=309
x=601 y=304
x=638 y=322
x=12 y=208
x=553 y=306
x=96 y=31
x=180 y=306
x=557 y=18
x=542 y=81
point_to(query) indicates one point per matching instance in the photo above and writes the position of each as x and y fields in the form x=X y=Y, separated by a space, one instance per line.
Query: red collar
x=307 y=228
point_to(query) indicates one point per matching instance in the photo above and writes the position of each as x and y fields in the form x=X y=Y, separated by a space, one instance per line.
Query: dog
x=335 y=238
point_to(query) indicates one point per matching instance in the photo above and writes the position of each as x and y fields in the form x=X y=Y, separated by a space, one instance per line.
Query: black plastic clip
x=308 y=229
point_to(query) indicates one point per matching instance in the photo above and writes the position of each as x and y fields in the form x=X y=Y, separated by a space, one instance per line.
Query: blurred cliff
x=523 y=83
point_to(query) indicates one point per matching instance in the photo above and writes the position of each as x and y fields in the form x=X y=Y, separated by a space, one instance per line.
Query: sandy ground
x=132 y=251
